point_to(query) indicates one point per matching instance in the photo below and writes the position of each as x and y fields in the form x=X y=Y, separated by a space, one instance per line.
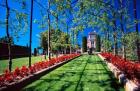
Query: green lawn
x=18 y=62
x=86 y=73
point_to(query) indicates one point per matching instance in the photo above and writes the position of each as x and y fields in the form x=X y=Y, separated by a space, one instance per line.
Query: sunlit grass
x=18 y=62
x=86 y=73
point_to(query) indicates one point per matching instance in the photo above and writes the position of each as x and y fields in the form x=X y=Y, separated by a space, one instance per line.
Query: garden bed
x=127 y=72
x=28 y=75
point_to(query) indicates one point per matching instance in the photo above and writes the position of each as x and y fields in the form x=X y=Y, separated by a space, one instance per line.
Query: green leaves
x=130 y=40
x=58 y=39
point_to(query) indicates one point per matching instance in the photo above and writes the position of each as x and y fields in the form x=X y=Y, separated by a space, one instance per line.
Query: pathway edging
x=128 y=84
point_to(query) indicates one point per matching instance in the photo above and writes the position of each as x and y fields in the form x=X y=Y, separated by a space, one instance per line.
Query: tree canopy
x=58 y=40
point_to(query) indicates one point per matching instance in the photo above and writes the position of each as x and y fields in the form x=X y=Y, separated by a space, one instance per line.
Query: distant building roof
x=92 y=33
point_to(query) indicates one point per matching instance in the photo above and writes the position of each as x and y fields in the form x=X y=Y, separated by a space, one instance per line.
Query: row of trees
x=111 y=17
x=14 y=25
x=115 y=23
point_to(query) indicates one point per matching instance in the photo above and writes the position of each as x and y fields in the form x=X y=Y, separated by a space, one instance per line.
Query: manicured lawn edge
x=17 y=86
x=128 y=84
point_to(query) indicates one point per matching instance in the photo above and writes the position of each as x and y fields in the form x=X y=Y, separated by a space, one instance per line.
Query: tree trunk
x=106 y=47
x=115 y=44
x=124 y=51
x=122 y=29
x=115 y=39
x=67 y=40
x=137 y=42
x=8 y=36
x=108 y=40
x=31 y=27
x=115 y=36
x=123 y=45
x=73 y=41
x=70 y=43
x=49 y=57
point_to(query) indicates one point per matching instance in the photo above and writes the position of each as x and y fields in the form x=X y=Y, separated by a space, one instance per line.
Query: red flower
x=16 y=74
x=131 y=70
x=24 y=71
x=32 y=69
x=8 y=77
x=1 y=81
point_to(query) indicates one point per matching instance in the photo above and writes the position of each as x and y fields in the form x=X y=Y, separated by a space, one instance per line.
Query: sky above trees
x=24 y=38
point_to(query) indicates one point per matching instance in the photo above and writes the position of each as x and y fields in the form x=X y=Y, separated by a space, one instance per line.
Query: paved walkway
x=86 y=73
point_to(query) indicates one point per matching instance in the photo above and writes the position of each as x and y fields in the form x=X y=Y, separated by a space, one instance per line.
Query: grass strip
x=86 y=73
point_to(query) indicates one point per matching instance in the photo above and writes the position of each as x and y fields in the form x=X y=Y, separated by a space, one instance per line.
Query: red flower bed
x=131 y=69
x=20 y=73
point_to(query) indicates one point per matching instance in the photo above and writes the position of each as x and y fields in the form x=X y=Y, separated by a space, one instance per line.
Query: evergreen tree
x=35 y=51
x=84 y=44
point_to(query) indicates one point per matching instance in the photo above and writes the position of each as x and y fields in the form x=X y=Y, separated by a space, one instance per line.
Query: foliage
x=35 y=51
x=113 y=21
x=58 y=40
x=5 y=40
x=84 y=44
x=129 y=40
x=107 y=45
x=18 y=25
x=44 y=43
x=98 y=43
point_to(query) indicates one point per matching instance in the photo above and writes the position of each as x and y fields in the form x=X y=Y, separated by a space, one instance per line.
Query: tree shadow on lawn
x=62 y=75
x=73 y=64
x=82 y=72
x=52 y=82
x=113 y=81
x=109 y=84
x=64 y=80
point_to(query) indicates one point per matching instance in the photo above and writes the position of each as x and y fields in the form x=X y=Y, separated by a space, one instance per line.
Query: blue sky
x=24 y=39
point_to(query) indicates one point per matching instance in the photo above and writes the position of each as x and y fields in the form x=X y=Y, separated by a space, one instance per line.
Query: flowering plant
x=24 y=71
x=131 y=69
x=16 y=74
x=1 y=80
x=8 y=76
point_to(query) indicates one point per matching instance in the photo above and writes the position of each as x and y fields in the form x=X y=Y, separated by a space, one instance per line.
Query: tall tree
x=115 y=34
x=8 y=35
x=14 y=25
x=49 y=47
x=135 y=13
x=122 y=13
x=137 y=31
x=44 y=43
x=31 y=27
x=84 y=44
